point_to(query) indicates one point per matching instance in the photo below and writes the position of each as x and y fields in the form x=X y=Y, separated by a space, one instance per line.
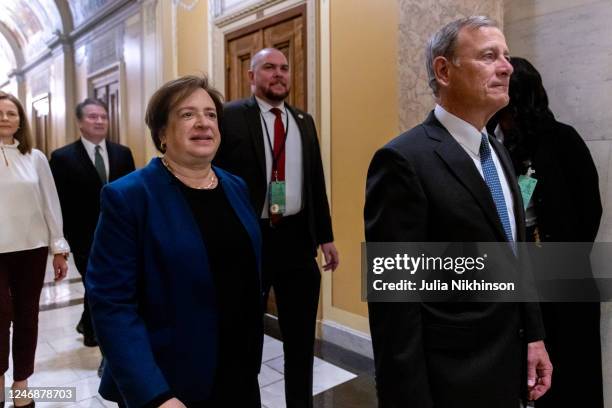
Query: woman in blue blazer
x=173 y=278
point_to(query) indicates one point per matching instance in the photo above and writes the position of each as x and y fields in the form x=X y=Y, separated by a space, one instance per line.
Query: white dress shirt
x=30 y=215
x=294 y=177
x=91 y=152
x=470 y=138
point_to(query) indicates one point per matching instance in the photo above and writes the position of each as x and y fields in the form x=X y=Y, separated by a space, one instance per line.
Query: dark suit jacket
x=78 y=187
x=151 y=293
x=242 y=153
x=423 y=187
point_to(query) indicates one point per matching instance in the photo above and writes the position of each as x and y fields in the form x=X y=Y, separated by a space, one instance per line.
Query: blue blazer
x=151 y=292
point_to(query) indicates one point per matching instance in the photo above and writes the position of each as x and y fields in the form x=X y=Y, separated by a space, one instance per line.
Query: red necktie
x=278 y=171
x=279 y=145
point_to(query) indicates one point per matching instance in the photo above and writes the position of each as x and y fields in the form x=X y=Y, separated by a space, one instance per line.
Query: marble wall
x=418 y=20
x=569 y=42
x=570 y=47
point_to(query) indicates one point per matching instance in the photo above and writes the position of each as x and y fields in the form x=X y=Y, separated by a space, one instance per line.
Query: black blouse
x=232 y=262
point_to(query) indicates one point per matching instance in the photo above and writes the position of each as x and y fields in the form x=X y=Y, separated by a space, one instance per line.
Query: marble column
x=419 y=19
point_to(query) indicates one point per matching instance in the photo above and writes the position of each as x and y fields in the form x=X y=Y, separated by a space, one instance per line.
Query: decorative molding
x=100 y=15
x=223 y=20
x=35 y=62
x=19 y=77
x=14 y=44
x=347 y=338
x=312 y=74
x=58 y=40
x=41 y=103
x=186 y=4
x=105 y=50
x=116 y=14
x=39 y=82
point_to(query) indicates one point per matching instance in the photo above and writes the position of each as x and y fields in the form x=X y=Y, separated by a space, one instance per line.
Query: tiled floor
x=62 y=360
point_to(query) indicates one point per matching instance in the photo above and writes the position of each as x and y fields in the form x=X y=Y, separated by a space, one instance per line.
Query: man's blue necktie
x=492 y=179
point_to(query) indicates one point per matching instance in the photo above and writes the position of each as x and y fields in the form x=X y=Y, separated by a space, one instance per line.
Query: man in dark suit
x=274 y=148
x=80 y=169
x=446 y=180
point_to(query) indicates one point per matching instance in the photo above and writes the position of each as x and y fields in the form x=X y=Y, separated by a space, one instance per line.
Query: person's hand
x=172 y=403
x=539 y=370
x=60 y=267
x=330 y=253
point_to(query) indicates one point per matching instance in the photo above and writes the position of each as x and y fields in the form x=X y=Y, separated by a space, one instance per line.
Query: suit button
x=521 y=333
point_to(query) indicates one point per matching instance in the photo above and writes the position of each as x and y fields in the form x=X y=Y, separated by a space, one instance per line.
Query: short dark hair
x=169 y=95
x=23 y=134
x=88 y=101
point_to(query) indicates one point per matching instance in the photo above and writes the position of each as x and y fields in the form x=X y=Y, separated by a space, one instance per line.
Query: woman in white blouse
x=30 y=228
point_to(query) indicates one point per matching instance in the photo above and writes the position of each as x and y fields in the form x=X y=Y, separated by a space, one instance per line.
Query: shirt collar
x=463 y=132
x=91 y=147
x=14 y=145
x=265 y=106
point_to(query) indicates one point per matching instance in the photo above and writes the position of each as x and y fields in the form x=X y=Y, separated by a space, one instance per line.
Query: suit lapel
x=112 y=161
x=462 y=166
x=253 y=118
x=299 y=119
x=181 y=228
x=85 y=162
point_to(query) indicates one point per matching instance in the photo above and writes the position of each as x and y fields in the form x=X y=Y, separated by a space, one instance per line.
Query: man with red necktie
x=274 y=148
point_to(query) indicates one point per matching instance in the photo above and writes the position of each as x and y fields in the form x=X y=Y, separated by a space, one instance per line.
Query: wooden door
x=238 y=57
x=287 y=32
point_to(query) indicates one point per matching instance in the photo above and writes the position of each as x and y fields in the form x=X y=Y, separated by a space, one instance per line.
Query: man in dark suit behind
x=274 y=148
x=446 y=180
x=80 y=169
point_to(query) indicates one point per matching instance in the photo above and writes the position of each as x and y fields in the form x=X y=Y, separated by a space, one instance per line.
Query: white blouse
x=30 y=213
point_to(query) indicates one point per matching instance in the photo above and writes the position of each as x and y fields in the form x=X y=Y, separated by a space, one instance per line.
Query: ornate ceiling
x=28 y=27
x=30 y=24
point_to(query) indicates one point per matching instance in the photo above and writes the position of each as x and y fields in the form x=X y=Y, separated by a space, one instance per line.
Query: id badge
x=527 y=185
x=277 y=197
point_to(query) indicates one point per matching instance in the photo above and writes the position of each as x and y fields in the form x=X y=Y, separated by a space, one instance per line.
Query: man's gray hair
x=443 y=42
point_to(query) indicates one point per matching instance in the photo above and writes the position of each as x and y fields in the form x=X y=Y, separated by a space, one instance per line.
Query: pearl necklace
x=209 y=186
